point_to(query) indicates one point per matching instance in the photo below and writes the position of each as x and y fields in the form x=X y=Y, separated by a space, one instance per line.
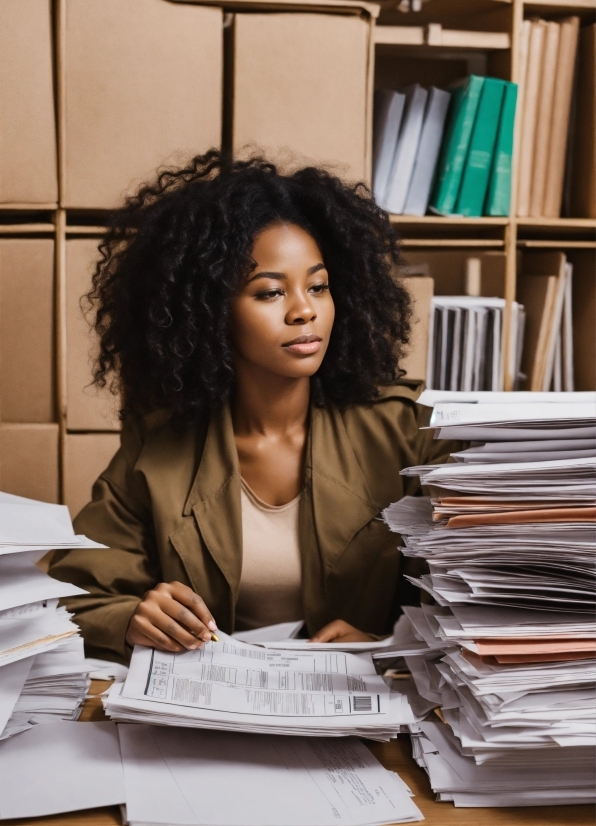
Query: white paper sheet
x=185 y=777
x=60 y=767
x=21 y=583
x=429 y=398
x=281 y=632
x=23 y=636
x=272 y=682
x=12 y=680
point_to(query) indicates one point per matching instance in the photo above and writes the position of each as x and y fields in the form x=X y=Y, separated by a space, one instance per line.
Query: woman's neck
x=266 y=404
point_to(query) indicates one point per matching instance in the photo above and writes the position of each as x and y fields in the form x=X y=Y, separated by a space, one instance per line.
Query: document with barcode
x=235 y=677
x=234 y=686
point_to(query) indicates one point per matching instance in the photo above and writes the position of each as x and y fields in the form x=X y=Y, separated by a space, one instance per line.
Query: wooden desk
x=397 y=756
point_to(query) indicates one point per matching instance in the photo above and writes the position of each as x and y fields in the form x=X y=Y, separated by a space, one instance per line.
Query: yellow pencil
x=214 y=638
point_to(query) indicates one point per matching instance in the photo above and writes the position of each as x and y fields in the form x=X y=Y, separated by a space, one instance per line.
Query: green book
x=498 y=196
x=474 y=182
x=464 y=105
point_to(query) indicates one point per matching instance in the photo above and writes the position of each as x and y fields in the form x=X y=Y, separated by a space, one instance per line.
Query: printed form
x=236 y=677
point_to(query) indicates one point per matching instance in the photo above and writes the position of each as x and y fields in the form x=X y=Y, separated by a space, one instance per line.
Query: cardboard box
x=451 y=270
x=27 y=330
x=421 y=291
x=300 y=88
x=87 y=407
x=86 y=455
x=28 y=165
x=29 y=460
x=142 y=85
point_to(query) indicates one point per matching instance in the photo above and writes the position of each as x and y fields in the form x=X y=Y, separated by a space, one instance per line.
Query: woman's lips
x=304 y=345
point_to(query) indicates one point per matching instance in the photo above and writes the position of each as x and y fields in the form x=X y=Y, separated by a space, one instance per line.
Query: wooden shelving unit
x=487 y=33
x=445 y=40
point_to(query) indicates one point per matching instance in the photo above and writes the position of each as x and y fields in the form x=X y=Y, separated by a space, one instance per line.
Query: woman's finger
x=165 y=623
x=330 y=632
x=145 y=630
x=184 y=617
x=186 y=596
x=151 y=613
x=141 y=639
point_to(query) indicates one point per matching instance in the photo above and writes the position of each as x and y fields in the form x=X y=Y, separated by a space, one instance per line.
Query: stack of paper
x=177 y=776
x=511 y=645
x=234 y=686
x=43 y=676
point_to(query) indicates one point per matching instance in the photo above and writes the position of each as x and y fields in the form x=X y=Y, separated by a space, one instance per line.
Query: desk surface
x=396 y=756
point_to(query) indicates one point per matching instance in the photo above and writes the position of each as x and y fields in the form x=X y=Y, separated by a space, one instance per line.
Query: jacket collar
x=214 y=497
x=341 y=502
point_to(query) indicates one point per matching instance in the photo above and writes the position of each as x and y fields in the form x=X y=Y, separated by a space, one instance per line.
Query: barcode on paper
x=362 y=703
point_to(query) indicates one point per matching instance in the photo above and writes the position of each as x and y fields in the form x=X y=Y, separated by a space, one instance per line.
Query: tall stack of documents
x=234 y=686
x=509 y=537
x=43 y=676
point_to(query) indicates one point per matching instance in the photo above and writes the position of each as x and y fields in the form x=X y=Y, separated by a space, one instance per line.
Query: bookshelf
x=484 y=38
x=434 y=46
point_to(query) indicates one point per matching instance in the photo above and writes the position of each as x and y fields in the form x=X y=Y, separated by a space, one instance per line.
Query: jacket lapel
x=341 y=502
x=214 y=498
x=336 y=506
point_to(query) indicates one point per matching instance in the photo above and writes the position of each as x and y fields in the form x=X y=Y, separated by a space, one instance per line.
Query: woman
x=251 y=323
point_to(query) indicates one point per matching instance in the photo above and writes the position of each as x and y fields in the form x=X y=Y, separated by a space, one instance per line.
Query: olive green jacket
x=168 y=507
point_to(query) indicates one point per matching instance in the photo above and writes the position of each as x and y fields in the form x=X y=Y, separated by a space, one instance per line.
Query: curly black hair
x=177 y=252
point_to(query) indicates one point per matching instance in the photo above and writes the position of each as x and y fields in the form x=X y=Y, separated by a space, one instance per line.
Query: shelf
x=435 y=36
x=560 y=244
x=27 y=207
x=558 y=223
x=85 y=230
x=26 y=229
x=482 y=14
x=562 y=4
x=448 y=220
x=494 y=243
x=556 y=231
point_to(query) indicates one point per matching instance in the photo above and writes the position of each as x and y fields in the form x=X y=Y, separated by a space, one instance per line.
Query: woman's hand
x=171 y=617
x=340 y=631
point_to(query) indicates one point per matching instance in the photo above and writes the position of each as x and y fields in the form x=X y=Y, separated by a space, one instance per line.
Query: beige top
x=270 y=584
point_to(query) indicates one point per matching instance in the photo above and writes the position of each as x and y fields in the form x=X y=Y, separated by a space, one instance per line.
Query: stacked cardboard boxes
x=94 y=97
x=28 y=179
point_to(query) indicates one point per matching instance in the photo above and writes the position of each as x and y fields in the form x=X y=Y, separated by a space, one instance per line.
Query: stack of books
x=408 y=131
x=43 y=674
x=448 y=150
x=465 y=348
x=547 y=65
x=544 y=285
x=508 y=535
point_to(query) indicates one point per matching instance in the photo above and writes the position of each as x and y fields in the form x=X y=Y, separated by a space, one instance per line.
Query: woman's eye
x=268 y=294
x=319 y=288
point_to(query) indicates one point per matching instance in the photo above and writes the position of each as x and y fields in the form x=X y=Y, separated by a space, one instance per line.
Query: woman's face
x=282 y=318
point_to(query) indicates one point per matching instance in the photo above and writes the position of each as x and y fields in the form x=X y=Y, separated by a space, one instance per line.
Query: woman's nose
x=301 y=311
